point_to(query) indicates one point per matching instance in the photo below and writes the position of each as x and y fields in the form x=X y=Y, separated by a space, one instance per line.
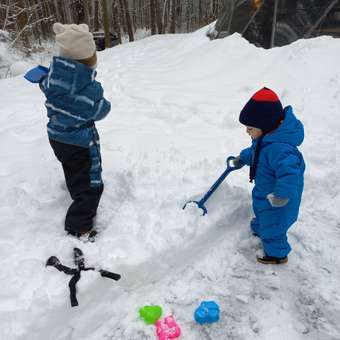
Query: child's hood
x=290 y=131
x=67 y=76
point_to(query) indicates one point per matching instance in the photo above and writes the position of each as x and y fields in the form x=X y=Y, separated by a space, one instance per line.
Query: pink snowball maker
x=167 y=328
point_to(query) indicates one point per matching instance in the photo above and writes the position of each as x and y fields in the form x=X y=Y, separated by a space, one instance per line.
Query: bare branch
x=22 y=31
x=6 y=17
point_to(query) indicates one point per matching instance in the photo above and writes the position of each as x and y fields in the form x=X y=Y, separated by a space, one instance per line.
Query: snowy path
x=175 y=103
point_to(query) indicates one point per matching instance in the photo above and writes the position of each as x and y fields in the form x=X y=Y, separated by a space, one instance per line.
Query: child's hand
x=277 y=202
x=237 y=162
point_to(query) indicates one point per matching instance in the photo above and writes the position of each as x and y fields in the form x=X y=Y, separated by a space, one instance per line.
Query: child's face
x=253 y=132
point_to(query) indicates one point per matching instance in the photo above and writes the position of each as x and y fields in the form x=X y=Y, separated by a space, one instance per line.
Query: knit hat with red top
x=263 y=111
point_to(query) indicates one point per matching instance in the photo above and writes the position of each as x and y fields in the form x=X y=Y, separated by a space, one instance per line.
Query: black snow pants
x=76 y=163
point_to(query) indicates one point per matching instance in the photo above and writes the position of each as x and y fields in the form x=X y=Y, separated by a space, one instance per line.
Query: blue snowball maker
x=207 y=312
x=36 y=74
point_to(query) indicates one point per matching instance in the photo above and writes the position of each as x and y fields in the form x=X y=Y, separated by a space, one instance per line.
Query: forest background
x=28 y=23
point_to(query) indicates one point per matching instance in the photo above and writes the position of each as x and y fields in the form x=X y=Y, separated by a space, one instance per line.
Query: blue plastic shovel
x=201 y=202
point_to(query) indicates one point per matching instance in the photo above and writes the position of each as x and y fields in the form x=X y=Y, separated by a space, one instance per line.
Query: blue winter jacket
x=74 y=101
x=280 y=170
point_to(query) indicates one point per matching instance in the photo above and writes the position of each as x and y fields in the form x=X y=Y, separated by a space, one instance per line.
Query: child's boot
x=88 y=235
x=265 y=259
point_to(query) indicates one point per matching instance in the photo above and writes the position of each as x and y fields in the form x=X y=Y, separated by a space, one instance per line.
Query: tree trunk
x=106 y=24
x=165 y=16
x=172 y=16
x=178 y=15
x=188 y=14
x=36 y=32
x=116 y=20
x=96 y=16
x=61 y=10
x=87 y=13
x=91 y=11
x=200 y=14
x=158 y=17
x=57 y=11
x=67 y=10
x=153 y=16
x=47 y=15
x=125 y=9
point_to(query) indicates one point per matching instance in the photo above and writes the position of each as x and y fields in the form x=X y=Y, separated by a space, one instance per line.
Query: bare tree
x=173 y=4
x=87 y=13
x=125 y=8
x=67 y=11
x=165 y=15
x=106 y=24
x=96 y=16
x=158 y=16
x=153 y=16
x=57 y=11
x=116 y=20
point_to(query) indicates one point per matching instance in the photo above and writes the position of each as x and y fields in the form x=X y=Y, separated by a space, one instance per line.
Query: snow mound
x=174 y=120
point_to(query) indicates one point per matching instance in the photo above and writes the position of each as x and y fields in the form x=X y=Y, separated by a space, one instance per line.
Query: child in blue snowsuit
x=74 y=101
x=277 y=167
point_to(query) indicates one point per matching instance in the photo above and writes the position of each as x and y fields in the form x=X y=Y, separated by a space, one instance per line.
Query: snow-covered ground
x=174 y=120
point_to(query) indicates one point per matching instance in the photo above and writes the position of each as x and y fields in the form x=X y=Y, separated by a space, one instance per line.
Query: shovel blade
x=199 y=205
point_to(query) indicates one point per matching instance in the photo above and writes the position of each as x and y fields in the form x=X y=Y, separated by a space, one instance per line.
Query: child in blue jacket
x=277 y=167
x=74 y=101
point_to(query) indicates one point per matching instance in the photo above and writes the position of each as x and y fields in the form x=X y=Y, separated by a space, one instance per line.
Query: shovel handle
x=218 y=182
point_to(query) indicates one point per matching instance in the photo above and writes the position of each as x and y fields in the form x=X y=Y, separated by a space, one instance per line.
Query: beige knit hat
x=74 y=41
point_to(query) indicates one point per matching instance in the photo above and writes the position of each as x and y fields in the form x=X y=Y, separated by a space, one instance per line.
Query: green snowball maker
x=150 y=314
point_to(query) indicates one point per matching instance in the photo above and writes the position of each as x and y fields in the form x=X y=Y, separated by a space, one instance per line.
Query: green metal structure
x=270 y=23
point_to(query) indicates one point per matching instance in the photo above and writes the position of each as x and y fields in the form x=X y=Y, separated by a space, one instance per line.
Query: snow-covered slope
x=174 y=120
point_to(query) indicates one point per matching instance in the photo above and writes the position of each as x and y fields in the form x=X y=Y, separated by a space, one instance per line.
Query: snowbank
x=174 y=120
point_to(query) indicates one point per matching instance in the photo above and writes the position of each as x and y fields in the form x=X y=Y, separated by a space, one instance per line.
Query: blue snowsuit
x=280 y=170
x=74 y=101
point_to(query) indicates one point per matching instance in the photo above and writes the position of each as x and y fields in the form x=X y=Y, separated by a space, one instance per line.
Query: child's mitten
x=277 y=202
x=237 y=162
x=36 y=74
